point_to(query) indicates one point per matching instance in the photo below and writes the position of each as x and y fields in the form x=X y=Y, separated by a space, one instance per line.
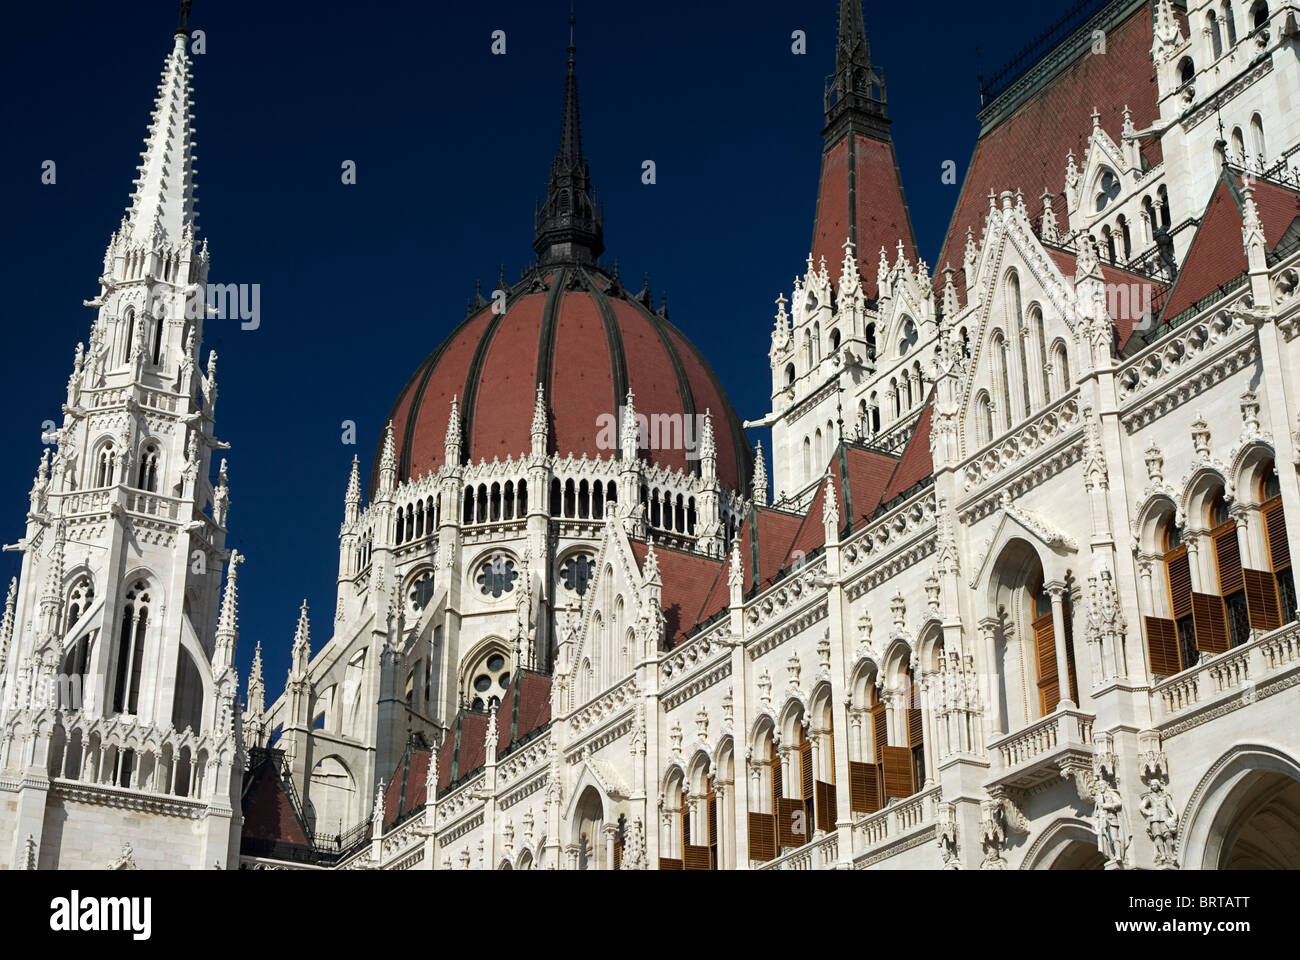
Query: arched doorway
x=1248 y=816
x=587 y=820
x=1070 y=845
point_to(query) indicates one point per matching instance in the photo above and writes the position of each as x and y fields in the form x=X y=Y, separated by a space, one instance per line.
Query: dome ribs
x=684 y=392
x=508 y=374
x=472 y=379
x=617 y=355
x=546 y=342
x=582 y=381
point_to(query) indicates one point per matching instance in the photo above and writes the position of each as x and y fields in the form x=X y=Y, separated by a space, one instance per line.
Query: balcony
x=1035 y=754
x=895 y=821
x=1252 y=670
x=820 y=854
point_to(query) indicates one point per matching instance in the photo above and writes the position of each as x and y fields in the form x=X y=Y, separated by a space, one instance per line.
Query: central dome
x=569 y=327
x=573 y=330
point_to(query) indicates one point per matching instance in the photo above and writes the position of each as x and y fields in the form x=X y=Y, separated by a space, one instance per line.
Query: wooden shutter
x=778 y=788
x=686 y=825
x=864 y=787
x=713 y=815
x=790 y=814
x=879 y=730
x=826 y=812
x=1227 y=554
x=669 y=863
x=1211 y=621
x=695 y=858
x=828 y=745
x=915 y=734
x=1279 y=551
x=805 y=770
x=618 y=853
x=898 y=772
x=1162 y=647
x=1179 y=571
x=1261 y=600
x=762 y=836
x=1049 y=686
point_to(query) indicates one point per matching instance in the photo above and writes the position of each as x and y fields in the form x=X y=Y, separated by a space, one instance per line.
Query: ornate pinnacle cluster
x=830 y=506
x=540 y=429
x=631 y=439
x=256 y=702
x=52 y=594
x=388 y=462
x=651 y=565
x=735 y=569
x=7 y=623
x=760 y=476
x=301 y=645
x=452 y=443
x=228 y=619
x=708 y=447
x=352 y=498
x=1050 y=232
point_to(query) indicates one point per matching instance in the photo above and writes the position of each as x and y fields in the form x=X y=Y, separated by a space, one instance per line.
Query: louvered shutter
x=686 y=823
x=915 y=734
x=792 y=825
x=879 y=730
x=762 y=836
x=898 y=769
x=1162 y=647
x=1261 y=600
x=695 y=858
x=864 y=787
x=805 y=770
x=778 y=788
x=1179 y=570
x=825 y=805
x=1227 y=554
x=1279 y=551
x=670 y=863
x=1049 y=687
x=1211 y=621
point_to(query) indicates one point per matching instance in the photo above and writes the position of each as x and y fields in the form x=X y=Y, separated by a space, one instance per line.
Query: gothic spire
x=256 y=702
x=228 y=619
x=568 y=227
x=856 y=94
x=352 y=499
x=164 y=199
x=301 y=645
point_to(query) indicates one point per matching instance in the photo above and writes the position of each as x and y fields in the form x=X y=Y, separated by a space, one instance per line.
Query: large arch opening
x=1249 y=816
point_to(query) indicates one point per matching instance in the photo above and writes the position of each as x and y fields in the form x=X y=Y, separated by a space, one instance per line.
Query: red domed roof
x=576 y=332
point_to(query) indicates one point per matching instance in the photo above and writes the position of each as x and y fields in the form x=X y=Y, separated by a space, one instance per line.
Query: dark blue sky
x=452 y=145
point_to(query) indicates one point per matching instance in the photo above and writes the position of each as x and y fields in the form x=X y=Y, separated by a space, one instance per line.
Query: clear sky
x=452 y=145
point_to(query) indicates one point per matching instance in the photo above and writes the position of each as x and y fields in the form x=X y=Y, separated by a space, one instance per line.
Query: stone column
x=988 y=638
x=1057 y=591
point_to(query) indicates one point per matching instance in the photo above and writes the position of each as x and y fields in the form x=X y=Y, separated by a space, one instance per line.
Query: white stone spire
x=760 y=476
x=7 y=623
x=228 y=620
x=256 y=702
x=352 y=499
x=164 y=199
x=451 y=446
x=540 y=430
x=388 y=462
x=301 y=645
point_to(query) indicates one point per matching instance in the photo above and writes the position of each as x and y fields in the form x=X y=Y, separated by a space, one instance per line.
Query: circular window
x=487 y=681
x=421 y=591
x=497 y=576
x=577 y=572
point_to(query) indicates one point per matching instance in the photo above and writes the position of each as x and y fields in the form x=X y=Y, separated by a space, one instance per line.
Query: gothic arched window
x=130 y=648
x=148 y=479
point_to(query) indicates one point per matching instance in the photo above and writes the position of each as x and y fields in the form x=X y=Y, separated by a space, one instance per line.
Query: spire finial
x=857 y=87
x=185 y=17
x=569 y=227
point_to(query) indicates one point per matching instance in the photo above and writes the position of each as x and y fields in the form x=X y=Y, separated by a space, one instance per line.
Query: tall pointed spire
x=856 y=93
x=164 y=199
x=569 y=228
x=352 y=499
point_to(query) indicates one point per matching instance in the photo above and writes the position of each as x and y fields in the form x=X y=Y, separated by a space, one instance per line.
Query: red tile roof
x=688 y=595
x=586 y=347
x=916 y=463
x=1217 y=254
x=269 y=813
x=524 y=710
x=1027 y=151
x=881 y=217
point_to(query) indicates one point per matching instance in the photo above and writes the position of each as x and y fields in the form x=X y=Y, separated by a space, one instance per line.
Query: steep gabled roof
x=688 y=597
x=1217 y=256
x=270 y=814
x=524 y=711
